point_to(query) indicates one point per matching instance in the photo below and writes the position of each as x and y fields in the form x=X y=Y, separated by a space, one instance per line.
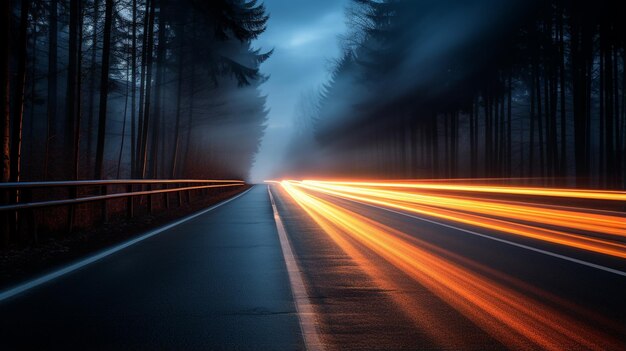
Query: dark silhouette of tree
x=20 y=88
x=51 y=123
x=5 y=120
x=104 y=87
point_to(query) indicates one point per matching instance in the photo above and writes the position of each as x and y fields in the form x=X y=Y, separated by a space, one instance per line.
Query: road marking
x=504 y=241
x=82 y=263
x=306 y=315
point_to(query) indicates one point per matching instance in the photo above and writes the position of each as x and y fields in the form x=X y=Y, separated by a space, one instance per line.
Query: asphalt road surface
x=217 y=281
x=381 y=279
x=373 y=279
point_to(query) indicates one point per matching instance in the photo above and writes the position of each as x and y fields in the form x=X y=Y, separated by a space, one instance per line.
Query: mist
x=305 y=39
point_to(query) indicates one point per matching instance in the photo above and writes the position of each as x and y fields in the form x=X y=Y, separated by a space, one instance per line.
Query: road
x=325 y=266
x=217 y=281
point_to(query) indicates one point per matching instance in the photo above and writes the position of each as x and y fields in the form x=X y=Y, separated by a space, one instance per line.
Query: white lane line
x=91 y=259
x=306 y=314
x=548 y=253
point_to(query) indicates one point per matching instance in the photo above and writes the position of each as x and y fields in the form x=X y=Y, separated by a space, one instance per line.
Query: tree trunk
x=509 y=122
x=79 y=94
x=540 y=124
x=472 y=130
x=104 y=88
x=133 y=109
x=5 y=120
x=501 y=138
x=146 y=110
x=18 y=118
x=488 y=134
x=121 y=152
x=52 y=84
x=33 y=96
x=176 y=147
x=435 y=146
x=192 y=87
x=93 y=78
x=70 y=98
x=160 y=70
x=602 y=117
x=609 y=109
x=142 y=90
x=531 y=146
x=563 y=158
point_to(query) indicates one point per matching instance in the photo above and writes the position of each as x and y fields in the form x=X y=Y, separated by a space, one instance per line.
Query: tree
x=104 y=88
x=52 y=83
x=5 y=120
x=5 y=85
x=18 y=119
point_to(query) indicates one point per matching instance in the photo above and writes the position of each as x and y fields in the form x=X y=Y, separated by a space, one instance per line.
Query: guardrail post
x=150 y=204
x=15 y=216
x=5 y=227
x=105 y=212
x=179 y=195
x=71 y=209
x=32 y=220
x=129 y=204
x=167 y=196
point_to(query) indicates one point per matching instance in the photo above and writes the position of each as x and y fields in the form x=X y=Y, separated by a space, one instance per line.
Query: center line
x=306 y=314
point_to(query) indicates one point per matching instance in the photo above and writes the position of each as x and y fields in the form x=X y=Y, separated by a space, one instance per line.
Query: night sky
x=304 y=36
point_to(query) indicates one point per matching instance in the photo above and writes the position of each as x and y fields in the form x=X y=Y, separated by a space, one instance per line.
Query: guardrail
x=21 y=194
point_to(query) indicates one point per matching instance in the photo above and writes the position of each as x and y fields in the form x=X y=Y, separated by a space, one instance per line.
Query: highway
x=348 y=266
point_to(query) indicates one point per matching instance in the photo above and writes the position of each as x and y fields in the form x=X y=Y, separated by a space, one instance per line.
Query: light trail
x=516 y=320
x=604 y=224
x=550 y=192
x=603 y=233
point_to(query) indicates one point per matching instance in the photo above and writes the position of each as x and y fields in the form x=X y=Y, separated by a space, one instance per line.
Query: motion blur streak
x=604 y=224
x=516 y=320
x=553 y=192
x=603 y=233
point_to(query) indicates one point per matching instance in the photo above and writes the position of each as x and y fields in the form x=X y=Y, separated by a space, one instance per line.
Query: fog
x=309 y=38
x=304 y=35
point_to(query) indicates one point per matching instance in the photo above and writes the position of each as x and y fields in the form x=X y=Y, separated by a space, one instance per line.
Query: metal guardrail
x=21 y=194
x=78 y=200
x=22 y=186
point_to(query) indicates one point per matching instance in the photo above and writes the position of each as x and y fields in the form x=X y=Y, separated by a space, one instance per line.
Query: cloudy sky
x=303 y=34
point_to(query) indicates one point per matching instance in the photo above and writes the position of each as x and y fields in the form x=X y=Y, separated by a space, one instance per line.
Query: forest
x=459 y=89
x=144 y=89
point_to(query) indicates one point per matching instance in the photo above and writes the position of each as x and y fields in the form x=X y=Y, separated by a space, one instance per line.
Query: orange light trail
x=551 y=192
x=608 y=230
x=516 y=320
x=604 y=224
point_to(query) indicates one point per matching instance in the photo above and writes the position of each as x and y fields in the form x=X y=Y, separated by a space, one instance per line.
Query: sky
x=304 y=36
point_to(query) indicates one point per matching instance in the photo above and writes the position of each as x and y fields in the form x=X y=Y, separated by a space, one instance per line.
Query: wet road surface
x=217 y=281
x=386 y=280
